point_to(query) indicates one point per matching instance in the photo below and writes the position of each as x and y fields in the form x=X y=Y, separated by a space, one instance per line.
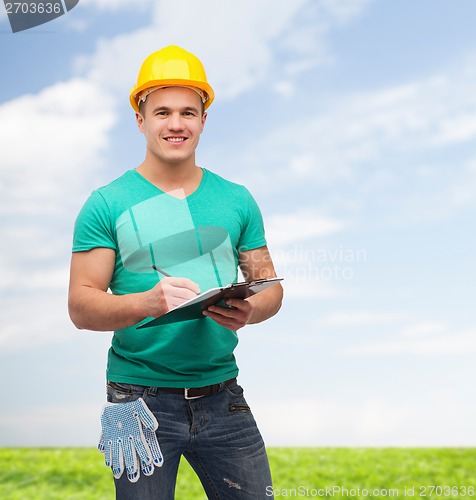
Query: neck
x=171 y=176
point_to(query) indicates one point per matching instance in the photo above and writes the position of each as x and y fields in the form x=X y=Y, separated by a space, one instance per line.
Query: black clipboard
x=193 y=308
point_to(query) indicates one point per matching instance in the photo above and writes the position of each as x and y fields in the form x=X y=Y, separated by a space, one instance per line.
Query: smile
x=175 y=139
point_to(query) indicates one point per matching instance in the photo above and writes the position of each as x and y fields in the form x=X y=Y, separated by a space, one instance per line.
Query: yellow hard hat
x=172 y=66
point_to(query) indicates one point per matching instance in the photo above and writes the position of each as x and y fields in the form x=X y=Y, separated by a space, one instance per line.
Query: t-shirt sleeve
x=252 y=235
x=93 y=226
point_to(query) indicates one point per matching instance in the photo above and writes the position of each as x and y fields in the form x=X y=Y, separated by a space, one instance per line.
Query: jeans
x=217 y=435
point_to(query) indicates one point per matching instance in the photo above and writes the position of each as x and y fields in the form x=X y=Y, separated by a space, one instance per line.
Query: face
x=172 y=121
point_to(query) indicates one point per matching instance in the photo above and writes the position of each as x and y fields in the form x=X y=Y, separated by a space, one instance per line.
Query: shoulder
x=108 y=200
x=117 y=186
x=224 y=185
x=122 y=193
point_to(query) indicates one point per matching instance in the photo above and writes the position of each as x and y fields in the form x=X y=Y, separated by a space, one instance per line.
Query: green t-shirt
x=197 y=237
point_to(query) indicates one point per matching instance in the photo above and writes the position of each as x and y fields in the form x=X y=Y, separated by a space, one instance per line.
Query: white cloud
x=413 y=337
x=284 y=88
x=33 y=273
x=239 y=43
x=39 y=317
x=372 y=421
x=345 y=10
x=428 y=339
x=411 y=117
x=51 y=142
x=462 y=188
x=297 y=286
x=371 y=147
x=424 y=329
x=360 y=318
x=308 y=268
x=434 y=112
x=51 y=425
x=116 y=5
x=236 y=52
x=299 y=226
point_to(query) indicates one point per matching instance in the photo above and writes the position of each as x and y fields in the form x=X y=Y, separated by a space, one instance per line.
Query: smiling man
x=145 y=243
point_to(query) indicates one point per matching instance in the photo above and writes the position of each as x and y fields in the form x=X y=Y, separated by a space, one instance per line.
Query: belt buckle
x=186 y=396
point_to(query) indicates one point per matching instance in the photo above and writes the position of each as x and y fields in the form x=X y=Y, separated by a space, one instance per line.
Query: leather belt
x=196 y=392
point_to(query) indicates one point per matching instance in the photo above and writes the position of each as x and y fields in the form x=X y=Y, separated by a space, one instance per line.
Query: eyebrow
x=166 y=108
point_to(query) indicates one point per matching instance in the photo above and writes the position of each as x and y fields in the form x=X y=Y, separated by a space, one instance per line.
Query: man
x=172 y=388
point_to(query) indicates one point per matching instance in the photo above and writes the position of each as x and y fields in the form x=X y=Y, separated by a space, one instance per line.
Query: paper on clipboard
x=192 y=309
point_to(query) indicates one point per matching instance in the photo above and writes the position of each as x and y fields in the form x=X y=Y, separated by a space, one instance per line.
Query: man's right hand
x=167 y=294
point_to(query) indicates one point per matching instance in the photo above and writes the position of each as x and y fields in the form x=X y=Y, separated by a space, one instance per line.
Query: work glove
x=128 y=436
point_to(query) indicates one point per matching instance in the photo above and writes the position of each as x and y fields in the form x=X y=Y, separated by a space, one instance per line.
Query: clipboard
x=193 y=308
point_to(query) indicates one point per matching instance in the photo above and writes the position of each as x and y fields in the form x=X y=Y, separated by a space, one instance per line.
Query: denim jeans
x=217 y=435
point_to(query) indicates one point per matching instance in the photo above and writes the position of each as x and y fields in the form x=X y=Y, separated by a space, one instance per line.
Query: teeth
x=175 y=139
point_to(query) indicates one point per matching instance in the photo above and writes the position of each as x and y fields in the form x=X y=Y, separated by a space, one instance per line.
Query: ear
x=204 y=119
x=140 y=122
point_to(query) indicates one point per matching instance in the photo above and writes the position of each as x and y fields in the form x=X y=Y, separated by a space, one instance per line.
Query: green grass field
x=79 y=474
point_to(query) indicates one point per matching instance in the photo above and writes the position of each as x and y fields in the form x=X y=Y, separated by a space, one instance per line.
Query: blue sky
x=353 y=123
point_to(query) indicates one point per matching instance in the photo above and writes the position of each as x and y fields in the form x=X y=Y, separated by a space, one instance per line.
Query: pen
x=161 y=271
x=166 y=274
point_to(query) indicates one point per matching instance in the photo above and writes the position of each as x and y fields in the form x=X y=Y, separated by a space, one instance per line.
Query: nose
x=175 y=121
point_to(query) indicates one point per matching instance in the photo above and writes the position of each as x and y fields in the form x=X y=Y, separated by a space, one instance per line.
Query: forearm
x=257 y=264
x=265 y=304
x=93 y=309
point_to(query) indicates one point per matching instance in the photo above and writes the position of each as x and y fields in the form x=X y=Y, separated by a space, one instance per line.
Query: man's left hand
x=234 y=317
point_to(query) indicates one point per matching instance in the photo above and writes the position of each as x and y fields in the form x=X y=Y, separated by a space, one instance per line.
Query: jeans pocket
x=237 y=402
x=234 y=389
x=239 y=407
x=122 y=393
